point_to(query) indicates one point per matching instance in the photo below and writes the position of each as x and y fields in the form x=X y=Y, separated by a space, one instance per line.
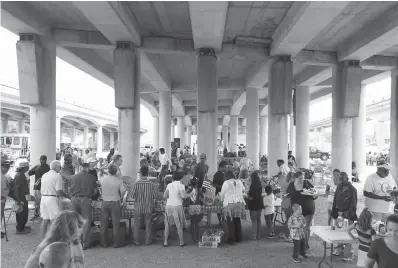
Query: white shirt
x=163 y=158
x=332 y=190
x=269 y=204
x=51 y=182
x=232 y=192
x=245 y=163
x=377 y=185
x=175 y=193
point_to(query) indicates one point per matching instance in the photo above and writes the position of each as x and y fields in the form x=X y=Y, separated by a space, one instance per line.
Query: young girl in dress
x=366 y=234
x=269 y=210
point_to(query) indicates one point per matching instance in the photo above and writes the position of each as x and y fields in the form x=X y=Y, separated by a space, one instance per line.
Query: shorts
x=49 y=208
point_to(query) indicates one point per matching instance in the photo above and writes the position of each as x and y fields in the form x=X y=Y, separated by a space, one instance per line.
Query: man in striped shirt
x=144 y=193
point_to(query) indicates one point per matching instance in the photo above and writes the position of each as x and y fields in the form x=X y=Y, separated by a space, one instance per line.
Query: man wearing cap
x=201 y=170
x=67 y=171
x=52 y=188
x=377 y=190
x=21 y=189
x=82 y=187
x=5 y=188
x=38 y=171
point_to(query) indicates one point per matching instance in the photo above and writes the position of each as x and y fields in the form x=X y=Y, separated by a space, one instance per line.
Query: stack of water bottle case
x=211 y=238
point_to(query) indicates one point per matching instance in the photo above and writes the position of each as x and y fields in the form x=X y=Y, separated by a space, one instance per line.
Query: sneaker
x=305 y=256
x=270 y=236
x=24 y=231
x=296 y=260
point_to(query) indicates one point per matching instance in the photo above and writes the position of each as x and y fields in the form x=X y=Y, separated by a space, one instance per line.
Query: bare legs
x=43 y=228
x=307 y=229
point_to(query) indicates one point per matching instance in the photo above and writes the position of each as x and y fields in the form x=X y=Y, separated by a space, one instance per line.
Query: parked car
x=316 y=153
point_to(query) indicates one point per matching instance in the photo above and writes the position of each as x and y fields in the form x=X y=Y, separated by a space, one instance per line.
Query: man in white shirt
x=245 y=163
x=52 y=186
x=377 y=189
x=164 y=163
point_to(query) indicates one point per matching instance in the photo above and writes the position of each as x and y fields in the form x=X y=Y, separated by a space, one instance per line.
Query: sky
x=70 y=81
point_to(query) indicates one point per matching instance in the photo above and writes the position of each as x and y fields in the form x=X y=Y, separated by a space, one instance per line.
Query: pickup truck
x=316 y=153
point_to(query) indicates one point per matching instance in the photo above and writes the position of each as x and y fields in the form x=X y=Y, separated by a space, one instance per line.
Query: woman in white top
x=174 y=212
x=234 y=206
x=330 y=190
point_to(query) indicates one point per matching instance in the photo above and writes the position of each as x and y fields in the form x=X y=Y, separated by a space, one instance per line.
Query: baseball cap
x=382 y=163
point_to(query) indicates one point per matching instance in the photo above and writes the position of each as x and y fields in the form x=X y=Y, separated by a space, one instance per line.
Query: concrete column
x=207 y=66
x=155 y=132
x=73 y=133
x=4 y=125
x=252 y=124
x=172 y=133
x=292 y=135
x=58 y=132
x=61 y=138
x=279 y=108
x=111 y=140
x=36 y=71
x=85 y=137
x=394 y=124
x=127 y=100
x=302 y=126
x=263 y=135
x=380 y=136
x=347 y=77
x=165 y=126
x=99 y=139
x=233 y=129
x=188 y=136
x=359 y=134
x=21 y=126
x=225 y=130
x=181 y=131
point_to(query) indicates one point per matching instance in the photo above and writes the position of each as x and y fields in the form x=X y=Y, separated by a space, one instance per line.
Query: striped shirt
x=364 y=237
x=144 y=193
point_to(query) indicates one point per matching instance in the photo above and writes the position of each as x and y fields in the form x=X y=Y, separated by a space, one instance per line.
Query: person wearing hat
x=21 y=189
x=38 y=171
x=5 y=188
x=67 y=170
x=377 y=189
x=201 y=170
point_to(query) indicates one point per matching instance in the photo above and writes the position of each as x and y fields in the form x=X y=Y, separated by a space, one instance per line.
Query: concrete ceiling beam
x=193 y=111
x=81 y=39
x=208 y=23
x=381 y=63
x=13 y=114
x=302 y=23
x=258 y=75
x=222 y=85
x=373 y=38
x=368 y=77
x=226 y=119
x=223 y=102
x=67 y=123
x=313 y=75
x=238 y=102
x=314 y=57
x=178 y=107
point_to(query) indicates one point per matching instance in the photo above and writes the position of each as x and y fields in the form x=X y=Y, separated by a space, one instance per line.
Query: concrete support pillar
x=263 y=135
x=127 y=100
x=188 y=136
x=207 y=107
x=394 y=124
x=233 y=129
x=99 y=139
x=155 y=132
x=4 y=125
x=302 y=126
x=85 y=137
x=279 y=108
x=181 y=131
x=165 y=126
x=73 y=133
x=58 y=133
x=61 y=138
x=347 y=77
x=292 y=136
x=225 y=131
x=359 y=134
x=172 y=133
x=380 y=136
x=252 y=124
x=36 y=71
x=111 y=140
x=21 y=126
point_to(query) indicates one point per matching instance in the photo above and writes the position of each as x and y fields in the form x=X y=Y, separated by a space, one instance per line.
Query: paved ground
x=249 y=254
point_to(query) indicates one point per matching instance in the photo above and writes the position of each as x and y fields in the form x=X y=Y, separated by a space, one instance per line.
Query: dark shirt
x=82 y=184
x=345 y=201
x=21 y=186
x=383 y=255
x=94 y=173
x=38 y=171
x=255 y=201
x=200 y=173
x=218 y=180
x=396 y=209
x=306 y=202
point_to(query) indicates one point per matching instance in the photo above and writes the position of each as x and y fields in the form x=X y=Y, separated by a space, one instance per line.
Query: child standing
x=366 y=234
x=269 y=210
x=195 y=211
x=296 y=224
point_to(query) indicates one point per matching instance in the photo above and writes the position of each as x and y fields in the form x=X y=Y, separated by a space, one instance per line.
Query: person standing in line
x=117 y=161
x=82 y=187
x=38 y=171
x=67 y=171
x=5 y=188
x=21 y=189
x=218 y=180
x=144 y=193
x=330 y=190
x=201 y=170
x=165 y=165
x=113 y=191
x=377 y=189
x=52 y=188
x=296 y=225
x=255 y=204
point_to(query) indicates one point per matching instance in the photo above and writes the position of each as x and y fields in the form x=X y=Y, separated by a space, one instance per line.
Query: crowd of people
x=66 y=225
